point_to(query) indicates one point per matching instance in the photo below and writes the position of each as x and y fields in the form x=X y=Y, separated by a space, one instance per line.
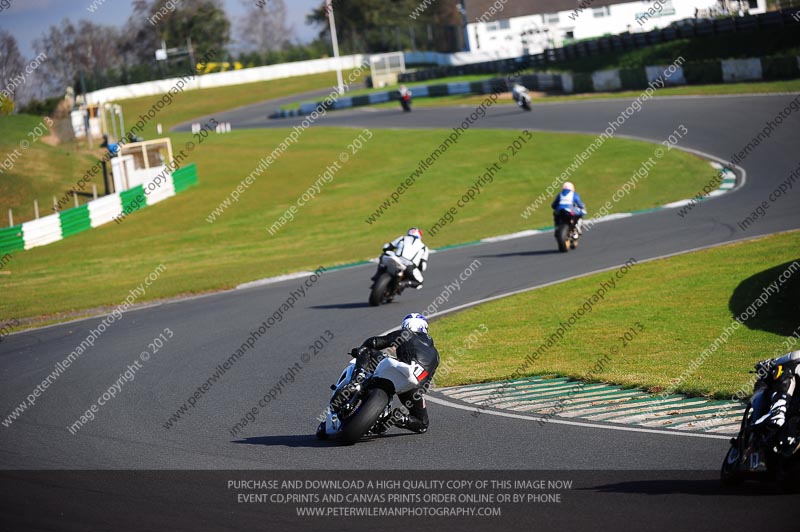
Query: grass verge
x=100 y=266
x=672 y=309
x=39 y=172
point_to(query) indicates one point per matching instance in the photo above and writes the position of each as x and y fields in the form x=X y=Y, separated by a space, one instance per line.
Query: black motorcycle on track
x=390 y=280
x=566 y=231
x=762 y=453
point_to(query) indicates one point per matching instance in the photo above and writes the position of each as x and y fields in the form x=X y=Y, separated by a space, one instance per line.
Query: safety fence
x=114 y=207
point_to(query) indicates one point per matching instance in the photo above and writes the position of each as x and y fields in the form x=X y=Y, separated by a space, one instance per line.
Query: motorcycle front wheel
x=729 y=473
x=360 y=421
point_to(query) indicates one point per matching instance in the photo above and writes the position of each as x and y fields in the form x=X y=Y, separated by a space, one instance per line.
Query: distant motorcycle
x=754 y=452
x=389 y=281
x=522 y=98
x=566 y=234
x=362 y=406
x=405 y=98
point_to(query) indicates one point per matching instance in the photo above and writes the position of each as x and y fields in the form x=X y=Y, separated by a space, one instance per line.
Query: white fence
x=284 y=70
x=458 y=58
x=222 y=79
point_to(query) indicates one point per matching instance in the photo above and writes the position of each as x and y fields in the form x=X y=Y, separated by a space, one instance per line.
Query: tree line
x=87 y=56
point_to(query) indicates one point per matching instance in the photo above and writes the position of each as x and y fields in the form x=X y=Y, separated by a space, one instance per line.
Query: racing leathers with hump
x=569 y=200
x=416 y=355
x=410 y=247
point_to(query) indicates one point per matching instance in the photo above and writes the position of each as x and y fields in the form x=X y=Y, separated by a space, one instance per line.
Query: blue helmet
x=415 y=322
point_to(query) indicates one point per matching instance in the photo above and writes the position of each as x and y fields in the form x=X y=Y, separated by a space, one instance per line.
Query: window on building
x=498 y=25
x=551 y=18
x=569 y=35
x=752 y=4
x=599 y=12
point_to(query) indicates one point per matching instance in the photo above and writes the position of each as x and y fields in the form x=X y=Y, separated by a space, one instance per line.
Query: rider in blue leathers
x=568 y=200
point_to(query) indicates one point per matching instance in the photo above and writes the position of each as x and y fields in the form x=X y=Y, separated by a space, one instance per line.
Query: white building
x=515 y=27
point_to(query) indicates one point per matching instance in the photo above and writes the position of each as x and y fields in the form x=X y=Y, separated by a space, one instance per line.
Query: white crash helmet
x=568 y=186
x=415 y=232
x=415 y=322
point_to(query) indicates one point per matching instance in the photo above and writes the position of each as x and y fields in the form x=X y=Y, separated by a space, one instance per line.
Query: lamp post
x=329 y=9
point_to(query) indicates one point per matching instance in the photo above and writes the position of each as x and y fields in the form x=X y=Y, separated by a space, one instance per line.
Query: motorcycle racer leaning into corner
x=570 y=201
x=411 y=247
x=517 y=91
x=416 y=357
x=784 y=374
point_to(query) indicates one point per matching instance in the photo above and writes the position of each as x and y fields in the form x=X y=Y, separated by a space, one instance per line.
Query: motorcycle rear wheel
x=562 y=237
x=360 y=421
x=379 y=289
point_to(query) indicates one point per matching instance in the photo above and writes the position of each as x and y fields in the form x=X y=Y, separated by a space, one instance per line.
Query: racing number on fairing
x=419 y=372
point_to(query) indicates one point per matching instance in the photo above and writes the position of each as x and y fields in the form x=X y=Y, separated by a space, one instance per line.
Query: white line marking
x=272 y=280
x=679 y=203
x=576 y=423
x=511 y=236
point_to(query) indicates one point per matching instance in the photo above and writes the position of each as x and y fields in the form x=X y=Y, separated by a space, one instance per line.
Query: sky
x=28 y=19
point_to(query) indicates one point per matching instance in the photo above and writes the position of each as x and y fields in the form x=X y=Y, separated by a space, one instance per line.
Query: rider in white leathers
x=411 y=247
x=517 y=92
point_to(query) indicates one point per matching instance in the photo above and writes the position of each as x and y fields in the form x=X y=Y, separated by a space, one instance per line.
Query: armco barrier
x=75 y=220
x=11 y=239
x=184 y=177
x=66 y=223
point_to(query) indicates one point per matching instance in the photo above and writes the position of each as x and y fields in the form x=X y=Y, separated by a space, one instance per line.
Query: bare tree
x=87 y=48
x=263 y=29
x=11 y=63
x=139 y=38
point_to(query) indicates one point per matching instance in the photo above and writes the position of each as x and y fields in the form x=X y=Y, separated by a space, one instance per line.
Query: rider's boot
x=413 y=283
x=404 y=421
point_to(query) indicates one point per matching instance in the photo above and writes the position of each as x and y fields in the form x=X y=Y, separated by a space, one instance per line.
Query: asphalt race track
x=129 y=432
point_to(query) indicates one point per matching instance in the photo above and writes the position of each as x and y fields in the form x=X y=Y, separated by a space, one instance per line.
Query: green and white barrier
x=696 y=73
x=101 y=211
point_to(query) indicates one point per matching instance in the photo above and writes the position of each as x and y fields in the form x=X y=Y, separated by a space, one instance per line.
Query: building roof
x=521 y=8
